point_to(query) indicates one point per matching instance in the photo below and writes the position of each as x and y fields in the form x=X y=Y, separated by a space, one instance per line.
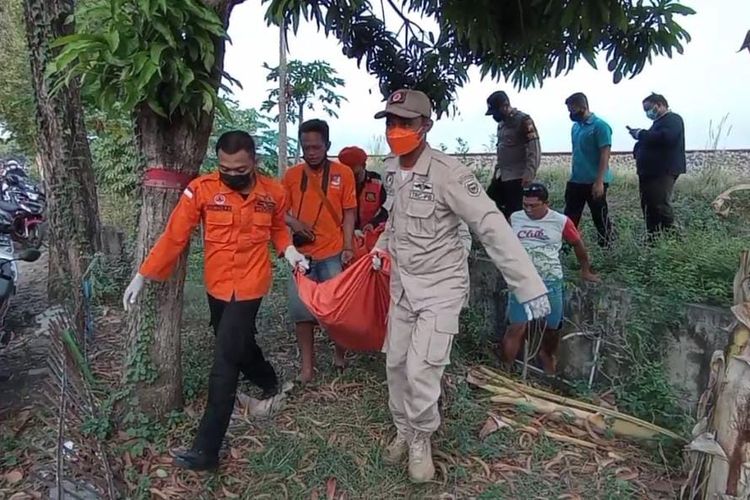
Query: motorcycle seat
x=7 y=206
x=6 y=288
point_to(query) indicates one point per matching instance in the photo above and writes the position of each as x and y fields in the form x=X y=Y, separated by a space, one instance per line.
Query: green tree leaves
x=131 y=52
x=524 y=41
x=308 y=83
x=17 y=111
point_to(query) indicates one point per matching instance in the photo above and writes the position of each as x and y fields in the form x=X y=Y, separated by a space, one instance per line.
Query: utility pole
x=283 y=139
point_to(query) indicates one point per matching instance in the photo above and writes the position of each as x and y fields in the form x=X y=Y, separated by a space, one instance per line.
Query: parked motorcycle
x=27 y=203
x=9 y=278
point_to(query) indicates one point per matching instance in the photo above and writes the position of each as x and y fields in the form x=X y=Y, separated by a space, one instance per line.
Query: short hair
x=578 y=99
x=315 y=125
x=655 y=98
x=536 y=190
x=235 y=141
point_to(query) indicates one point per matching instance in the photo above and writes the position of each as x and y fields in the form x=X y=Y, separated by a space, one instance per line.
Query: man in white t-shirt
x=542 y=232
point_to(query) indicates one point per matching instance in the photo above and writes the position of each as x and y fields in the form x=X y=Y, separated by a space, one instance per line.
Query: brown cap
x=407 y=103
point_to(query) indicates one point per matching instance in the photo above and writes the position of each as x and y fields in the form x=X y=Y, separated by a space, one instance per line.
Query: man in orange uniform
x=370 y=190
x=322 y=212
x=241 y=211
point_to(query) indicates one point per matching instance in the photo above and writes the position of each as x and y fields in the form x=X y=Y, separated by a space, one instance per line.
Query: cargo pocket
x=261 y=230
x=421 y=221
x=218 y=226
x=441 y=340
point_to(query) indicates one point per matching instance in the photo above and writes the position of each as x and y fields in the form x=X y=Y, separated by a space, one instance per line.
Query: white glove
x=377 y=262
x=537 y=308
x=295 y=258
x=132 y=291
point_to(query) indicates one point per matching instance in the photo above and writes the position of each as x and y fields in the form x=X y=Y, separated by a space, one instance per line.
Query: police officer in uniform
x=429 y=195
x=518 y=154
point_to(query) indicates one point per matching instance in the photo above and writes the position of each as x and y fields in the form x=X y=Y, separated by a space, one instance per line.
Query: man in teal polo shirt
x=590 y=175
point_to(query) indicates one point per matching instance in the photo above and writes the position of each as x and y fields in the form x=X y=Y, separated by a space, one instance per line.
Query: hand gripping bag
x=353 y=306
x=363 y=245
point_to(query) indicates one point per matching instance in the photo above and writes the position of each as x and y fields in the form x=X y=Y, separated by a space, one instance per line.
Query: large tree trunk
x=64 y=157
x=154 y=364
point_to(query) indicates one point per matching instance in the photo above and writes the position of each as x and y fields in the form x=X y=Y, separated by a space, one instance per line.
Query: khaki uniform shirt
x=424 y=233
x=518 y=149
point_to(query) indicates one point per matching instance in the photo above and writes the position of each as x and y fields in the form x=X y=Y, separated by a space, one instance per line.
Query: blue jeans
x=320 y=270
x=556 y=288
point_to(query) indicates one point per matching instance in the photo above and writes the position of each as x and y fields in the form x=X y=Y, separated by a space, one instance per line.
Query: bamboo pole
x=572 y=403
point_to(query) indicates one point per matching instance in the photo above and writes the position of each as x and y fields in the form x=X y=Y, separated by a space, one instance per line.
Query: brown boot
x=421 y=469
x=397 y=449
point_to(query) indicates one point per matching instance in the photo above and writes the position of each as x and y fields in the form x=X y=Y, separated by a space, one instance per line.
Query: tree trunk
x=283 y=137
x=154 y=362
x=65 y=159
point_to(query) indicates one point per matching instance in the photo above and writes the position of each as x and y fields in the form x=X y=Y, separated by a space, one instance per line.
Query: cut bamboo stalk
x=526 y=390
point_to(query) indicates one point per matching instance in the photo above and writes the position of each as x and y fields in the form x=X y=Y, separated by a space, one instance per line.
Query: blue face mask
x=652 y=114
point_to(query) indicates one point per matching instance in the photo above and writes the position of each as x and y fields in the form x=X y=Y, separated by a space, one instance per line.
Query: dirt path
x=23 y=360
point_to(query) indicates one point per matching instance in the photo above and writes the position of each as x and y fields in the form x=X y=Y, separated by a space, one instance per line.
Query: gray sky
x=708 y=82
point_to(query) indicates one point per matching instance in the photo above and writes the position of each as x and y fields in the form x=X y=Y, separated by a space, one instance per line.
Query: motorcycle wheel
x=36 y=236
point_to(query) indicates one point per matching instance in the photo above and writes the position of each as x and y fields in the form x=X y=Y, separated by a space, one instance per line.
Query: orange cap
x=352 y=156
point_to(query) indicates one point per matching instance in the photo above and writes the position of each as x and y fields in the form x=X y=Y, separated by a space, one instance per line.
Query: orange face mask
x=402 y=140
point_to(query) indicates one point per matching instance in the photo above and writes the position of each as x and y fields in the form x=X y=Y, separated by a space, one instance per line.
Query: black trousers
x=235 y=351
x=656 y=202
x=507 y=195
x=577 y=196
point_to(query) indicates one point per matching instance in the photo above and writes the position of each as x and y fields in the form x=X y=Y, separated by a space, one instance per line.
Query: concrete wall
x=604 y=311
x=732 y=160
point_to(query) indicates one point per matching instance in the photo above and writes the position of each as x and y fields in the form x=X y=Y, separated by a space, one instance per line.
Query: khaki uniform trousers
x=417 y=348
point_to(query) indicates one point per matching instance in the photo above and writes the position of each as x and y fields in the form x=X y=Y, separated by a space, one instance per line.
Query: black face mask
x=576 y=116
x=236 y=182
x=498 y=116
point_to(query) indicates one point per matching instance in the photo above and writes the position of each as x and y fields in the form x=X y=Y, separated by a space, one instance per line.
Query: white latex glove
x=295 y=258
x=537 y=308
x=132 y=291
x=377 y=262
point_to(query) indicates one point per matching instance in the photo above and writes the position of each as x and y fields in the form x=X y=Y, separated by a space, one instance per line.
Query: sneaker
x=421 y=469
x=397 y=449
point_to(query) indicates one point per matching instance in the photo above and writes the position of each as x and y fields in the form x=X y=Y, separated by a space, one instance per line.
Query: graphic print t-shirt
x=543 y=240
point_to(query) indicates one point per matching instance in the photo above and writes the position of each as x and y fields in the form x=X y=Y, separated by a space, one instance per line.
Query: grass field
x=326 y=442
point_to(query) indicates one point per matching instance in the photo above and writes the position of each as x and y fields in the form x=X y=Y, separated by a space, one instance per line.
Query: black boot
x=196 y=460
x=270 y=392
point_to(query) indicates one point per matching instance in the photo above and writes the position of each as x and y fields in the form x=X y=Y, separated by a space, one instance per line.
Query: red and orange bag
x=353 y=306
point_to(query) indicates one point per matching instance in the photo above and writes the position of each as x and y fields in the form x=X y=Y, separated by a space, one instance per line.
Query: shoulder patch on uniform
x=188 y=193
x=530 y=129
x=389 y=180
x=471 y=184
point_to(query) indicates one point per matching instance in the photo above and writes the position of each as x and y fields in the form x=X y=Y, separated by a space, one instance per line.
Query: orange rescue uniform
x=236 y=233
x=307 y=207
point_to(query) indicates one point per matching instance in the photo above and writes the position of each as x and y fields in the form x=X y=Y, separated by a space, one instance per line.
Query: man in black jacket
x=659 y=159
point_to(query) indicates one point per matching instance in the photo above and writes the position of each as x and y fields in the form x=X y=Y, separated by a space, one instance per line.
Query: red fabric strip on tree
x=158 y=177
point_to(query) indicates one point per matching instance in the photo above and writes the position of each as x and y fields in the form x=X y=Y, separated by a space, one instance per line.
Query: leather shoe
x=196 y=460
x=269 y=392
